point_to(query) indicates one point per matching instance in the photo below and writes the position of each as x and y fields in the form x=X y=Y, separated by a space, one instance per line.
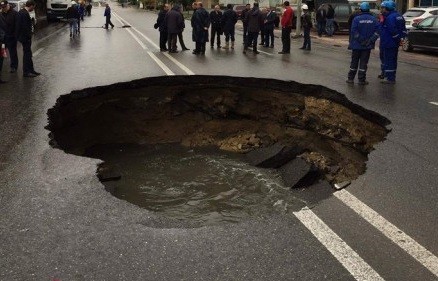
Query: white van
x=57 y=9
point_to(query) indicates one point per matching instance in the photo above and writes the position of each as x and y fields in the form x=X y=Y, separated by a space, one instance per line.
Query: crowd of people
x=170 y=22
x=364 y=32
x=17 y=27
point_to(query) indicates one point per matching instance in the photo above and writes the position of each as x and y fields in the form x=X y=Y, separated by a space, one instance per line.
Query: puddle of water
x=204 y=186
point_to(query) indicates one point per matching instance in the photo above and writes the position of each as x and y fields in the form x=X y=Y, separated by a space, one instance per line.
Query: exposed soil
x=234 y=114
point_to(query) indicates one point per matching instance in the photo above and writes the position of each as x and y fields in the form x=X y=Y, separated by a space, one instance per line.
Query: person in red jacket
x=286 y=27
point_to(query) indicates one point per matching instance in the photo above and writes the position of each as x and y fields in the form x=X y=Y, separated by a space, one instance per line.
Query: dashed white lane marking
x=152 y=55
x=180 y=65
x=404 y=241
x=339 y=249
x=37 y=52
x=434 y=103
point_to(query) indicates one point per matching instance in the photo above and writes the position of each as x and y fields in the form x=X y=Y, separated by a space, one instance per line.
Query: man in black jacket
x=24 y=36
x=244 y=22
x=11 y=20
x=2 y=37
x=162 y=28
x=229 y=19
x=200 y=24
x=254 y=19
x=216 y=26
x=174 y=22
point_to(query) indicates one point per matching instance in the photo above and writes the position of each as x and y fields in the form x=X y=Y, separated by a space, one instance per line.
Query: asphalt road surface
x=58 y=222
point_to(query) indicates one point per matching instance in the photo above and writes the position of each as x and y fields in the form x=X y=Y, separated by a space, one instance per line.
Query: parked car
x=423 y=35
x=238 y=9
x=17 y=5
x=342 y=14
x=415 y=15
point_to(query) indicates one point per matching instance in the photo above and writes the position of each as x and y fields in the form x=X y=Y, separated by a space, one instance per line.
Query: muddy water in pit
x=205 y=186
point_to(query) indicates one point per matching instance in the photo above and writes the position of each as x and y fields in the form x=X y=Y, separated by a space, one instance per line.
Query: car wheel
x=406 y=45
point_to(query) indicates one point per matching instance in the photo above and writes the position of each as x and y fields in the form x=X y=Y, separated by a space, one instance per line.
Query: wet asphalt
x=58 y=222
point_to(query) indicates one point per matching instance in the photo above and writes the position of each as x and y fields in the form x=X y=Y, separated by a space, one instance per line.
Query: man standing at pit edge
x=11 y=20
x=392 y=31
x=364 y=33
x=24 y=36
x=286 y=27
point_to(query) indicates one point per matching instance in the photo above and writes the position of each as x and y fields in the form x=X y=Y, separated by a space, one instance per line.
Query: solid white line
x=269 y=54
x=180 y=65
x=404 y=241
x=133 y=36
x=434 y=103
x=339 y=249
x=37 y=52
x=160 y=63
x=152 y=55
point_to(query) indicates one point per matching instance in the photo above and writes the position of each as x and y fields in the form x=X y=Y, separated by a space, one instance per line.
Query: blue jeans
x=73 y=25
x=321 y=27
x=329 y=27
x=306 y=43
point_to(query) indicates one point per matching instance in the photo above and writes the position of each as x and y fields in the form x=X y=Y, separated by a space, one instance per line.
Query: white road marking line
x=434 y=103
x=180 y=65
x=134 y=36
x=404 y=241
x=269 y=54
x=152 y=55
x=37 y=52
x=339 y=249
x=160 y=63
x=50 y=35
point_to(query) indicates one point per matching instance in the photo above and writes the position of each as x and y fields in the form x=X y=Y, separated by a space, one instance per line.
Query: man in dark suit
x=10 y=17
x=216 y=26
x=24 y=36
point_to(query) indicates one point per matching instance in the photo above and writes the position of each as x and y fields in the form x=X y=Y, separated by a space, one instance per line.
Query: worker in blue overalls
x=392 y=31
x=363 y=34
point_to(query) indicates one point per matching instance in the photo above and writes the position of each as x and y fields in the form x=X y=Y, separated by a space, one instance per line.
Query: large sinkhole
x=210 y=149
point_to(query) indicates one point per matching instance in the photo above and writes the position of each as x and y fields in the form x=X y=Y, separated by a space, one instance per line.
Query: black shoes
x=302 y=48
x=173 y=51
x=381 y=76
x=185 y=49
x=283 y=53
x=256 y=52
x=31 y=74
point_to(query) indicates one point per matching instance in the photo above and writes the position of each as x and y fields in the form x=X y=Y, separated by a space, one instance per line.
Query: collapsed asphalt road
x=59 y=222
